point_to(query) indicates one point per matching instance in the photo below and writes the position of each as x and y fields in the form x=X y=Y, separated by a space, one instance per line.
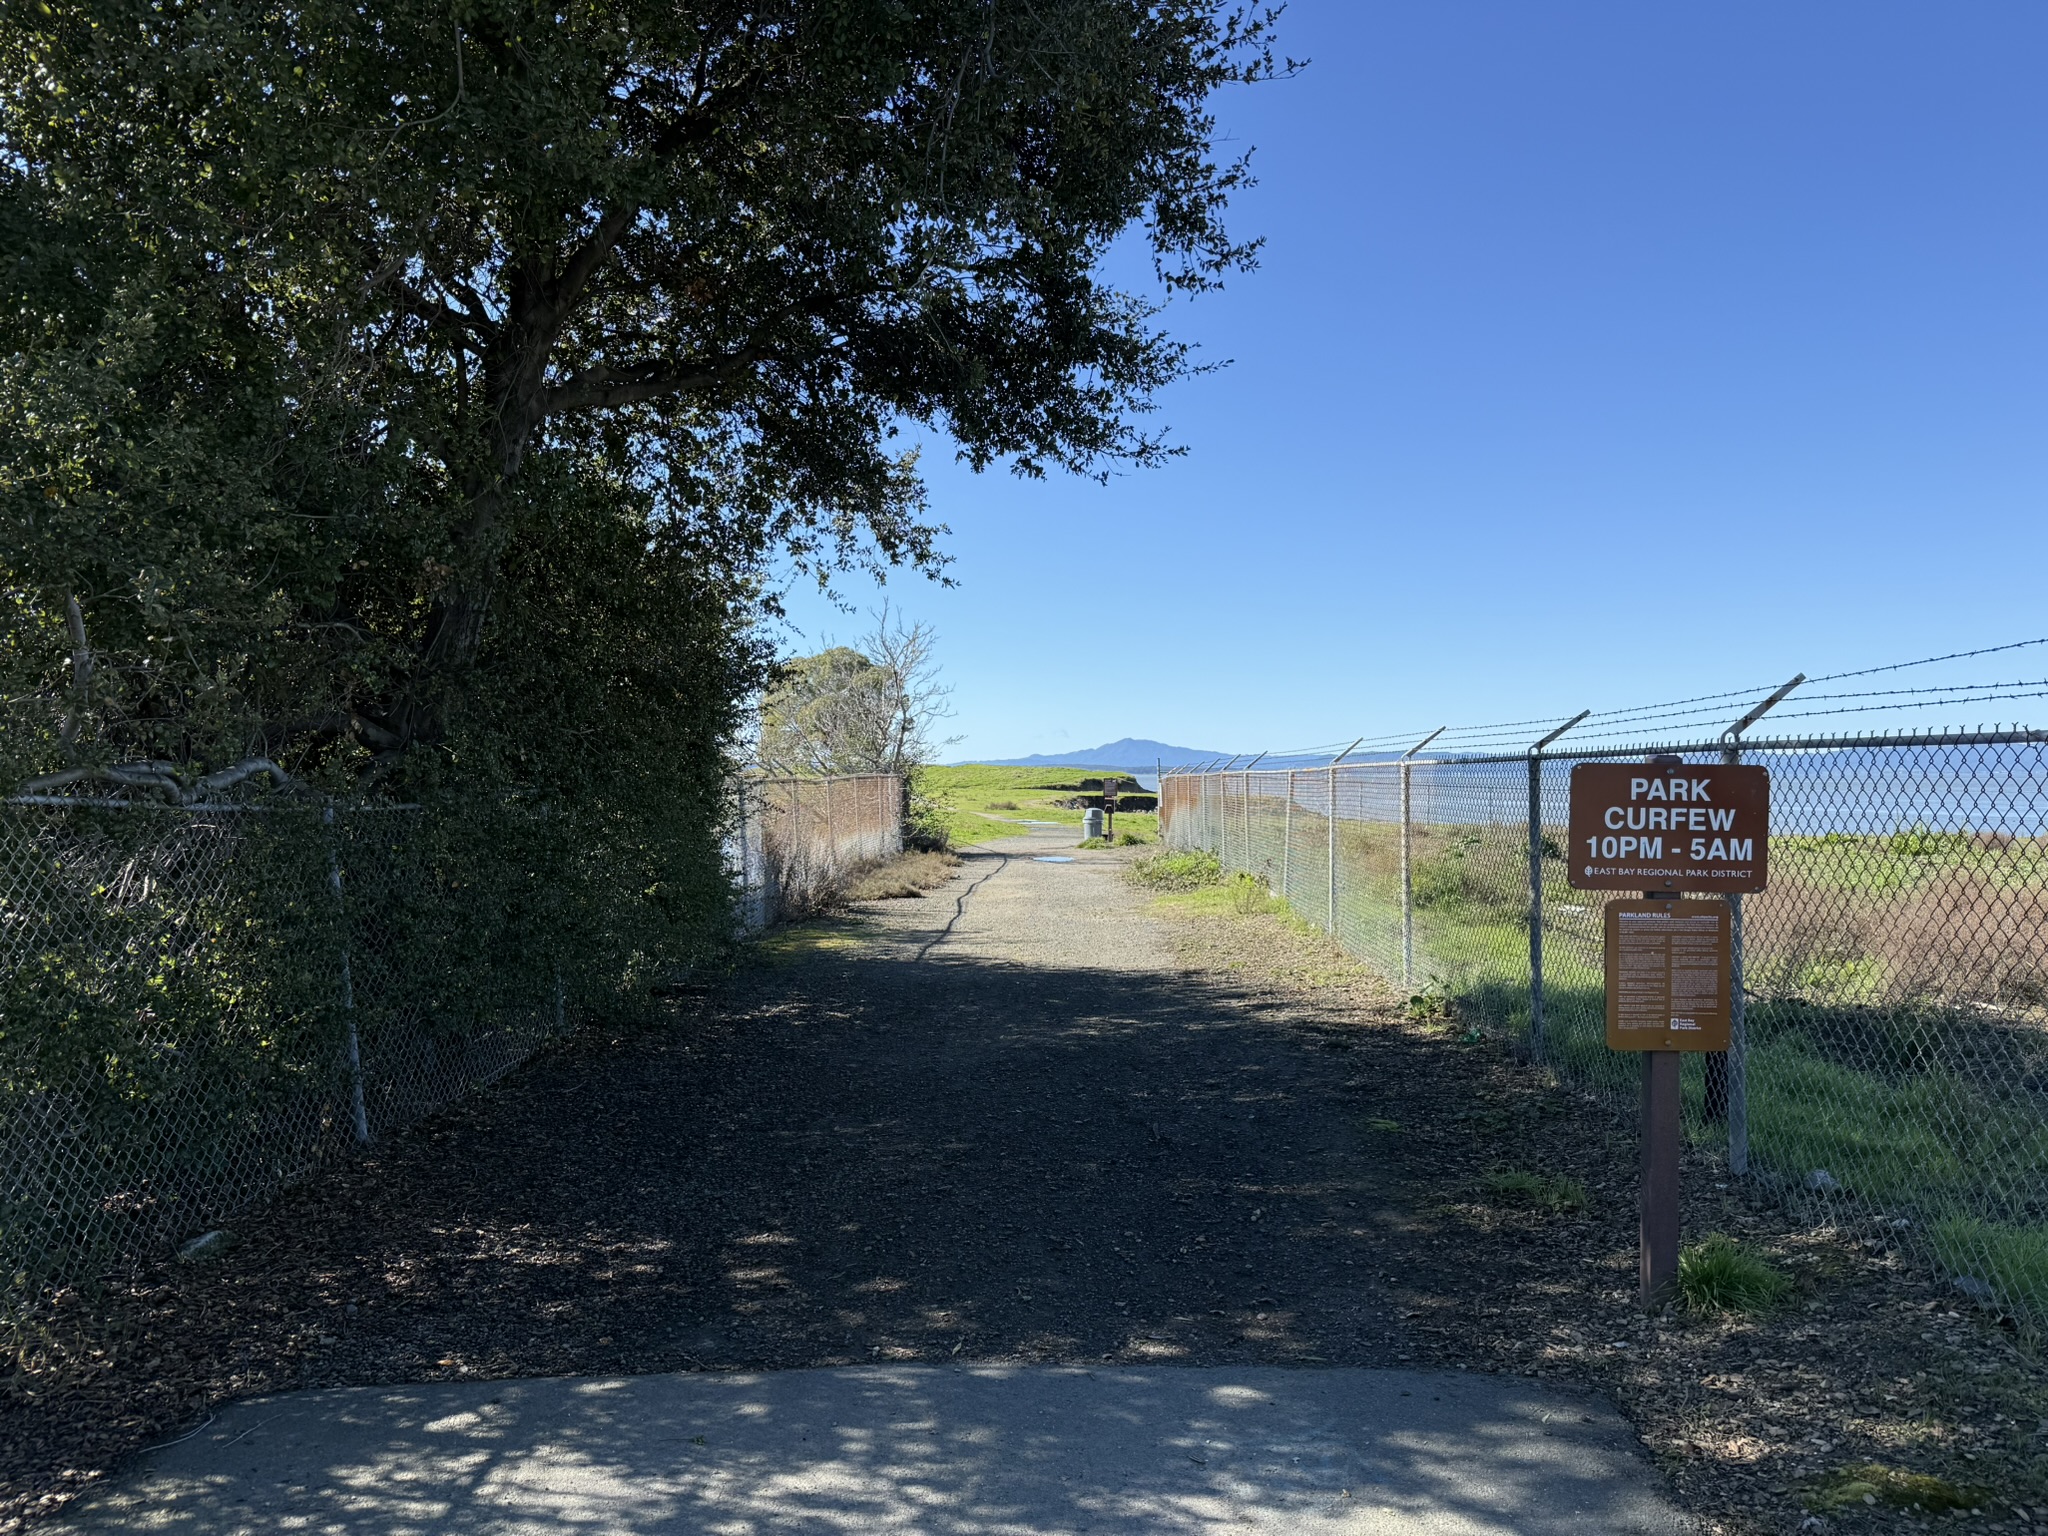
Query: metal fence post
x=1733 y=1068
x=1247 y=782
x=358 y=1105
x=1738 y=1047
x=1287 y=837
x=1536 y=1041
x=1536 y=906
x=1222 y=812
x=1407 y=852
x=1407 y=879
x=1330 y=908
x=798 y=859
x=746 y=860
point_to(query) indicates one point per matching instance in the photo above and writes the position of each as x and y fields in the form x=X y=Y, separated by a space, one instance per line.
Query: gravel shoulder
x=1021 y=1120
x=1763 y=1424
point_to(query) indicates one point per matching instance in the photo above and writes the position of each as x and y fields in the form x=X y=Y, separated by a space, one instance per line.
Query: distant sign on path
x=1690 y=827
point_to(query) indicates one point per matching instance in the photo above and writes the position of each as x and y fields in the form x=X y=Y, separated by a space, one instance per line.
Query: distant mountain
x=1131 y=752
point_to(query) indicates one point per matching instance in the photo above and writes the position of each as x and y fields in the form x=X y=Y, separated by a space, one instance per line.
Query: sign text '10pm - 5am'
x=1653 y=826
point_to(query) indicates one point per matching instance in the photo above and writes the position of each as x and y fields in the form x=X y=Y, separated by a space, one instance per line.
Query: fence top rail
x=109 y=803
x=823 y=778
x=1998 y=738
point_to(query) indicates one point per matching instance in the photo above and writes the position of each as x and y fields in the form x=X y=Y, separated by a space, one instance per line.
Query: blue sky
x=1599 y=354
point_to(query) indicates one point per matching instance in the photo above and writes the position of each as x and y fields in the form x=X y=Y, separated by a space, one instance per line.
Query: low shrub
x=1431 y=1003
x=909 y=874
x=1178 y=870
x=1249 y=895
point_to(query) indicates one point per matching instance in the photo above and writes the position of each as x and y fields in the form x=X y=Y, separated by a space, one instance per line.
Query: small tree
x=871 y=709
x=916 y=700
x=874 y=709
x=310 y=314
x=828 y=713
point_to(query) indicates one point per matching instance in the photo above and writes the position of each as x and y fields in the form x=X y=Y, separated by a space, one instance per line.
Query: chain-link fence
x=797 y=840
x=1889 y=1061
x=199 y=1003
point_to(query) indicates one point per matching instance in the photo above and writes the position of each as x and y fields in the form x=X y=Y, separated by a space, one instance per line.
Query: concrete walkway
x=960 y=1451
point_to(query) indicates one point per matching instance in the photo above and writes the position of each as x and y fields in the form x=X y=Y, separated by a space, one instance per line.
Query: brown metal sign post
x=1109 y=788
x=1667 y=824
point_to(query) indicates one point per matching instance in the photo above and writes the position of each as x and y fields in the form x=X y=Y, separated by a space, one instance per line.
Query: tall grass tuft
x=1718 y=1274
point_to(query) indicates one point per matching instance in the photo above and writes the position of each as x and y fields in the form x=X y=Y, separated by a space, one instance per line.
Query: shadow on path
x=971 y=1451
x=991 y=1131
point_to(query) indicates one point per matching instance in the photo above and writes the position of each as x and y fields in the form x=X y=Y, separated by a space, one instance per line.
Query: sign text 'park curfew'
x=1690 y=827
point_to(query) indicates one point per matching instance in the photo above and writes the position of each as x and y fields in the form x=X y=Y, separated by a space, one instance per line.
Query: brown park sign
x=1667 y=975
x=1683 y=827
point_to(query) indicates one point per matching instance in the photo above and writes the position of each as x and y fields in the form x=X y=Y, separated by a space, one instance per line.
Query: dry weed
x=906 y=875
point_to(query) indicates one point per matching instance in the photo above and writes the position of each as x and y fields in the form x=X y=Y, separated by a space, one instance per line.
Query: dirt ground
x=1023 y=1118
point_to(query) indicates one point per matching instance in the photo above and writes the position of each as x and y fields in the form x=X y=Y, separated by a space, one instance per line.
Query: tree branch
x=584 y=261
x=603 y=387
x=434 y=311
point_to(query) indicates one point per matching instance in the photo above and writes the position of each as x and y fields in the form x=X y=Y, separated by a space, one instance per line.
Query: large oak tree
x=300 y=299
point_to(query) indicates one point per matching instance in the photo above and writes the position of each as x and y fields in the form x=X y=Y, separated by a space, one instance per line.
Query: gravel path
x=996 y=1124
x=1025 y=1135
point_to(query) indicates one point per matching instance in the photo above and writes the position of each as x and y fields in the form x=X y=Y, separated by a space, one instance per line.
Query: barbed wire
x=1928 y=661
x=1675 y=716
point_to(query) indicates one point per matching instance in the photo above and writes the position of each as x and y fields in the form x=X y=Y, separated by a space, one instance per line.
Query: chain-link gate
x=1889 y=1068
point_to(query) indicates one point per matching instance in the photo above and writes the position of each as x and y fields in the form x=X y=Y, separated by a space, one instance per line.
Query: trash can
x=1091 y=823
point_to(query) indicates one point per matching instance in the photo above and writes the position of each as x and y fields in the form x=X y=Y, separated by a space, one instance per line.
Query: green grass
x=1863 y=1052
x=1870 y=1483
x=1916 y=1136
x=1232 y=898
x=1718 y=1274
x=1907 y=859
x=1249 y=896
x=2012 y=1260
x=980 y=802
x=797 y=942
x=1544 y=1191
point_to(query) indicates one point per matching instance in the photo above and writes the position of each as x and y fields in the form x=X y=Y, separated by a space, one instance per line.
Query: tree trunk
x=515 y=368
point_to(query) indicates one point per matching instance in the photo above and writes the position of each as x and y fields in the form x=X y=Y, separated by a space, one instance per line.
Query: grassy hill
x=984 y=802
